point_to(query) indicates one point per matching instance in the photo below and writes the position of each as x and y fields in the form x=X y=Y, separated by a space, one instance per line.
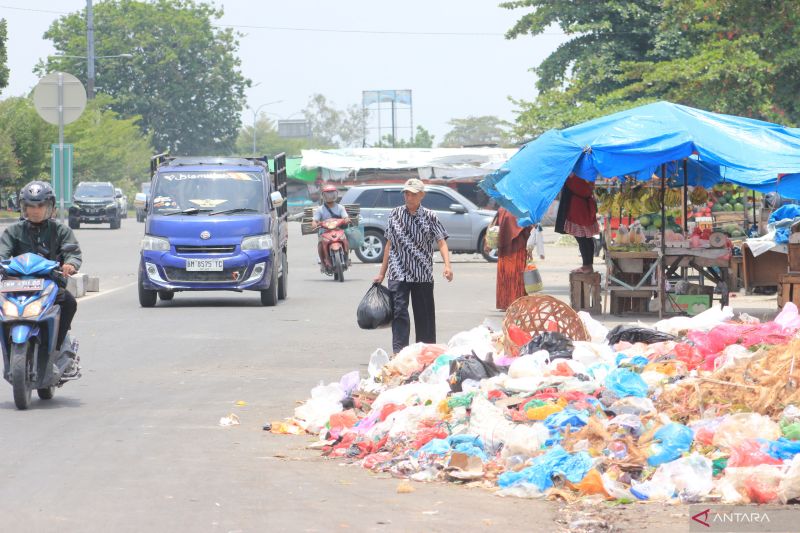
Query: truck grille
x=210 y=249
x=229 y=275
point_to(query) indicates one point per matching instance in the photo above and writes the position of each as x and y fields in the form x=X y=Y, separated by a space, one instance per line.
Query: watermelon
x=657 y=223
x=727 y=207
x=716 y=208
x=738 y=207
x=644 y=220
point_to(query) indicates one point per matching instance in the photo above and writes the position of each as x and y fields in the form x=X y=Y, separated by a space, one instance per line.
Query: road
x=135 y=445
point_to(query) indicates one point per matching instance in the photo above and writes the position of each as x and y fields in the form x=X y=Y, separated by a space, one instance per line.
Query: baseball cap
x=414 y=185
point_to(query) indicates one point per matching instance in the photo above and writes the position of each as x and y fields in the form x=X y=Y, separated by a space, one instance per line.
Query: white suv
x=465 y=222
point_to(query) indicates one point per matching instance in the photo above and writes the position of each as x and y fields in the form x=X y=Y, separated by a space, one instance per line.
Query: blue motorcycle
x=29 y=322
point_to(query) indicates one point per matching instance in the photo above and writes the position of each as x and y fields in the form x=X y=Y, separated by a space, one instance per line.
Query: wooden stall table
x=764 y=270
x=629 y=284
x=712 y=264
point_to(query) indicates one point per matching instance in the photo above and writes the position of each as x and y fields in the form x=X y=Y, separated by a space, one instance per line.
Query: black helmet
x=36 y=193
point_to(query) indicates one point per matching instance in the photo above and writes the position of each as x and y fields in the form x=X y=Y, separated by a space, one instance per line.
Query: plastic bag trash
x=377 y=360
x=674 y=439
x=704 y=321
x=555 y=461
x=597 y=331
x=788 y=318
x=470 y=367
x=631 y=423
x=478 y=340
x=632 y=405
x=528 y=365
x=782 y=449
x=349 y=382
x=690 y=477
x=230 y=420
x=590 y=353
x=624 y=383
x=634 y=334
x=740 y=426
x=558 y=345
x=375 y=309
x=355 y=237
x=751 y=452
x=789 y=487
x=705 y=428
x=490 y=424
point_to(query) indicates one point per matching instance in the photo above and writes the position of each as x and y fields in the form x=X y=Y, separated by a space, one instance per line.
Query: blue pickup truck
x=215 y=223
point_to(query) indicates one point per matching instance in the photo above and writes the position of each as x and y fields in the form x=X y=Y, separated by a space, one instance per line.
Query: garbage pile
x=706 y=408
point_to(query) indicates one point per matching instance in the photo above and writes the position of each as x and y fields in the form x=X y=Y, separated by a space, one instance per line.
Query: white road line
x=103 y=293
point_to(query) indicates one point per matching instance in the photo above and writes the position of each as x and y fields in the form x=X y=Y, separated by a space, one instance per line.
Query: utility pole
x=89 y=50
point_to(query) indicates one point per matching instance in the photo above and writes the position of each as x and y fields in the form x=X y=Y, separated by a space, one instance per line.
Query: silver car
x=465 y=222
x=122 y=202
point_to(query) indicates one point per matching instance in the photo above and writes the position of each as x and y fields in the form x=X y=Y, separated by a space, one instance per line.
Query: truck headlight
x=257 y=242
x=155 y=244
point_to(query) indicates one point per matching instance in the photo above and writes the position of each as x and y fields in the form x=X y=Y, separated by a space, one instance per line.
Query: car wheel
x=139 y=217
x=491 y=255
x=283 y=281
x=147 y=298
x=116 y=223
x=74 y=223
x=269 y=297
x=371 y=250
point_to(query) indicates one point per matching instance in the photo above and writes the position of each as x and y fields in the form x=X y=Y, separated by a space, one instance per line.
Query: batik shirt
x=413 y=238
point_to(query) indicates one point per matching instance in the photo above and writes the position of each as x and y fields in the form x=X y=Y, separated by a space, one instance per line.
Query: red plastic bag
x=518 y=336
x=750 y=453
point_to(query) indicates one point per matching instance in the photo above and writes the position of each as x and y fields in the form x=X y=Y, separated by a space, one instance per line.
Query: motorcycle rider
x=329 y=209
x=39 y=233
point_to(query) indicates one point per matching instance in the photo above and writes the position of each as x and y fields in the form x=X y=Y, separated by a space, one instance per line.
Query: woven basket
x=538 y=313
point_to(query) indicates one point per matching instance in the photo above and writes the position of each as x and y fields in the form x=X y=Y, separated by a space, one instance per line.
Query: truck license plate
x=204 y=265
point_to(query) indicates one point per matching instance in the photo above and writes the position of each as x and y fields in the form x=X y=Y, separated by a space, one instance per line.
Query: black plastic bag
x=634 y=334
x=375 y=309
x=470 y=367
x=558 y=345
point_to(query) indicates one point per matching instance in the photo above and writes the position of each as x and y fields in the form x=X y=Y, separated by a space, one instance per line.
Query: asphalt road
x=136 y=445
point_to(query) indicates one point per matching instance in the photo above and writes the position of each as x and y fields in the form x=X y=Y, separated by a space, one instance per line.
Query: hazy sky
x=342 y=48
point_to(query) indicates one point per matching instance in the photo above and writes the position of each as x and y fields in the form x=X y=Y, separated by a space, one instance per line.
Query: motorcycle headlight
x=257 y=242
x=156 y=244
x=10 y=309
x=32 y=309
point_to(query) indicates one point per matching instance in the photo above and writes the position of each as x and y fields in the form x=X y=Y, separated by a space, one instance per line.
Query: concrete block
x=92 y=284
x=76 y=285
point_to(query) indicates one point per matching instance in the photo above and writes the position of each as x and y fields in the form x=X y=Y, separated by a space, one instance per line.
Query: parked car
x=465 y=222
x=94 y=202
x=122 y=203
x=140 y=202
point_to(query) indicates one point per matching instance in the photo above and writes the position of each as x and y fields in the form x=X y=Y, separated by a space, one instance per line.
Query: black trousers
x=586 y=247
x=68 y=309
x=422 y=303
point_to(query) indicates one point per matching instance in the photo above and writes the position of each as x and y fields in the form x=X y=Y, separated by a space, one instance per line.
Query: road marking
x=103 y=293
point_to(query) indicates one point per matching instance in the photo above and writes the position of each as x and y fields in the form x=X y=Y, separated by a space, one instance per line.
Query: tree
x=106 y=147
x=729 y=56
x=475 y=131
x=268 y=142
x=3 y=54
x=183 y=80
x=423 y=139
x=331 y=127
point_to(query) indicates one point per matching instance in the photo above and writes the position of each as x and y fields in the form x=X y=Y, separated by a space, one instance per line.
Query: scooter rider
x=37 y=232
x=329 y=209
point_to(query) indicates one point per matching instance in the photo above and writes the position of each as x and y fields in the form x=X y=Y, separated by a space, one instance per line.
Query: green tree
x=3 y=54
x=268 y=142
x=332 y=127
x=476 y=130
x=422 y=139
x=107 y=147
x=183 y=80
x=729 y=56
x=29 y=136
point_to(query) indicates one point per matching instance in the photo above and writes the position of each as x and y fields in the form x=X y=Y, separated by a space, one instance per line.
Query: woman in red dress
x=577 y=216
x=512 y=255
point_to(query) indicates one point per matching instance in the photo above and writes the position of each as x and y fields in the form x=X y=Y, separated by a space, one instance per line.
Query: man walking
x=411 y=233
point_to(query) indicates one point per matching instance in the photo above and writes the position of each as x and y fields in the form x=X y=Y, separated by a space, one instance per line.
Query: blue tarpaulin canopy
x=754 y=154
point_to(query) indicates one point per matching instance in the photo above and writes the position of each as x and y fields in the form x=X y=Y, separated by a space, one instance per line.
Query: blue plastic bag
x=674 y=440
x=782 y=448
x=624 y=383
x=556 y=461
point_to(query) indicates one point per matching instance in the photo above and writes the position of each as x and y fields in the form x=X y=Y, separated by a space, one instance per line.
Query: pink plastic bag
x=749 y=452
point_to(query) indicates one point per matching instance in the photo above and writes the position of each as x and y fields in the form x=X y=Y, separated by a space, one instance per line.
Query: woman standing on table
x=577 y=216
x=511 y=257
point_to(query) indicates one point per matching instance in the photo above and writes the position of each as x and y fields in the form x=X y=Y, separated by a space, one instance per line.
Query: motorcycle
x=29 y=325
x=334 y=242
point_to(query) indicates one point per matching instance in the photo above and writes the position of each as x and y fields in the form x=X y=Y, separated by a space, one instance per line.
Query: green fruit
x=657 y=223
x=644 y=220
x=727 y=207
x=717 y=207
x=738 y=207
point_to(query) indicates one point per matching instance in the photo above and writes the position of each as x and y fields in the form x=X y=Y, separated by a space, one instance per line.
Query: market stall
x=681 y=147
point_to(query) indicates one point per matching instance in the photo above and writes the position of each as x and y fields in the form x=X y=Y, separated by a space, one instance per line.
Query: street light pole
x=255 y=117
x=89 y=50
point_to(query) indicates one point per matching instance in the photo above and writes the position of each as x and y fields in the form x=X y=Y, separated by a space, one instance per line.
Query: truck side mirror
x=458 y=208
x=277 y=198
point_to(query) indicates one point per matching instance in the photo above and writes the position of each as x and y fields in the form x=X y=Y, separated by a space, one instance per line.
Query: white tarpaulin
x=441 y=162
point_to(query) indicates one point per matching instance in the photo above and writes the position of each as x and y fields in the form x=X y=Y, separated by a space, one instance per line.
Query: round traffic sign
x=59 y=90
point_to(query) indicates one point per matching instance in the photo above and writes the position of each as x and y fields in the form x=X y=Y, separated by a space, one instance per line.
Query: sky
x=451 y=54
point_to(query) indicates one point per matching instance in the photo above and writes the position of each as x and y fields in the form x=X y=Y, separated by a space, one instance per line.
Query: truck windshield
x=208 y=191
